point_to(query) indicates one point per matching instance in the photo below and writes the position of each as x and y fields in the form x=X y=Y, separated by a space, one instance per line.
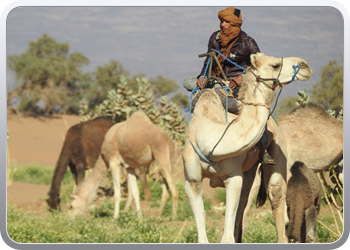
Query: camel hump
x=299 y=169
x=301 y=173
x=298 y=166
x=139 y=117
x=310 y=109
x=232 y=104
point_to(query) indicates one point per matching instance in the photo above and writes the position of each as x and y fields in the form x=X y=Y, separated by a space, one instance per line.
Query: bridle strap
x=275 y=80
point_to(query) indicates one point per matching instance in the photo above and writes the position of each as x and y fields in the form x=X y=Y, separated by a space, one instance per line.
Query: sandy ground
x=38 y=140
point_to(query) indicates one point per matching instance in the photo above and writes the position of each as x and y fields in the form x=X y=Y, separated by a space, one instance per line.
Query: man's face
x=224 y=25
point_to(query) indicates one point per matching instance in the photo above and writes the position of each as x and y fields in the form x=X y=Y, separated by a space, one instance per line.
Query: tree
x=181 y=100
x=329 y=91
x=162 y=85
x=47 y=76
x=106 y=78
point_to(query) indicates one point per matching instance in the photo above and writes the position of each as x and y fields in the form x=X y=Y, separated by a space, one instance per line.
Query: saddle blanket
x=231 y=101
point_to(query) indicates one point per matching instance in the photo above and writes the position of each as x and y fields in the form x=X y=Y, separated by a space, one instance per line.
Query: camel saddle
x=231 y=101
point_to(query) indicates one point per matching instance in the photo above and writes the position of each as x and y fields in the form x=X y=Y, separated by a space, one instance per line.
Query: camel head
x=77 y=206
x=279 y=70
x=53 y=201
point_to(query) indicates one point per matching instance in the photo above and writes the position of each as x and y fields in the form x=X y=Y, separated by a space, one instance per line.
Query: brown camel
x=131 y=144
x=304 y=191
x=310 y=135
x=80 y=151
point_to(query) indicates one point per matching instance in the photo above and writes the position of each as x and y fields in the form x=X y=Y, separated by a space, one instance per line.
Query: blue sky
x=167 y=40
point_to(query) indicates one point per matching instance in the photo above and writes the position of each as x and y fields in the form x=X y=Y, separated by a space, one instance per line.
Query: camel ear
x=255 y=60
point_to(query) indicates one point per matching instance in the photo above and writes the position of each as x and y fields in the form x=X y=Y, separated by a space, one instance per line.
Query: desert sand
x=38 y=141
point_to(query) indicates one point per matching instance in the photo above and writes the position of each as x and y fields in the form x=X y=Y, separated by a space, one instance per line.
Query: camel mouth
x=304 y=73
x=303 y=77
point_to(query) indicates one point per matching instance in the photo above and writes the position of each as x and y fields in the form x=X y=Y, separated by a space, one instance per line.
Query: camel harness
x=212 y=56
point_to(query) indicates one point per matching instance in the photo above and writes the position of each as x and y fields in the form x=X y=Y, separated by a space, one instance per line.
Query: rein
x=259 y=79
x=275 y=80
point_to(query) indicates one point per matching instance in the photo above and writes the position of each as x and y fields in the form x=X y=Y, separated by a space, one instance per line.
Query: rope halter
x=276 y=81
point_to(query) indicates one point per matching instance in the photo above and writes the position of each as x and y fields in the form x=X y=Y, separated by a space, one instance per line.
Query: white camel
x=131 y=144
x=231 y=145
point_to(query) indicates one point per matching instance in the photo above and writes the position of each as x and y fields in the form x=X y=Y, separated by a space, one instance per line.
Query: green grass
x=98 y=226
x=38 y=175
x=34 y=227
x=261 y=228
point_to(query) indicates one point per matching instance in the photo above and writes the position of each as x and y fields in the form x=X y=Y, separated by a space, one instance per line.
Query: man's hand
x=232 y=84
x=200 y=82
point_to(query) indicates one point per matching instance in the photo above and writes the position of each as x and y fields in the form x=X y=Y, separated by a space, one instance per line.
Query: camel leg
x=134 y=189
x=295 y=225
x=73 y=170
x=78 y=171
x=129 y=200
x=165 y=196
x=193 y=190
x=163 y=160
x=274 y=179
x=233 y=186
x=174 y=192
x=142 y=175
x=114 y=165
x=311 y=223
x=250 y=188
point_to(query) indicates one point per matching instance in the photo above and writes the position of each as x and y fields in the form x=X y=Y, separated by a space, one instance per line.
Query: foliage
x=328 y=225
x=333 y=197
x=162 y=86
x=338 y=115
x=181 y=100
x=328 y=92
x=47 y=73
x=120 y=103
x=303 y=98
x=105 y=78
x=49 y=80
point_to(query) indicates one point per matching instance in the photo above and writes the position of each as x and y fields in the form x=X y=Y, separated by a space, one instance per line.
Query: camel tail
x=262 y=195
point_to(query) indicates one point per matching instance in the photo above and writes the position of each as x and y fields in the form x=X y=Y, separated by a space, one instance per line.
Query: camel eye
x=276 y=66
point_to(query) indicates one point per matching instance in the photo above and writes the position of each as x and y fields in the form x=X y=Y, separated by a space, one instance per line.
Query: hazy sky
x=167 y=40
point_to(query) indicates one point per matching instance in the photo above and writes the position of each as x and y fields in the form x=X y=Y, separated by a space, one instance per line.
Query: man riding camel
x=237 y=46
